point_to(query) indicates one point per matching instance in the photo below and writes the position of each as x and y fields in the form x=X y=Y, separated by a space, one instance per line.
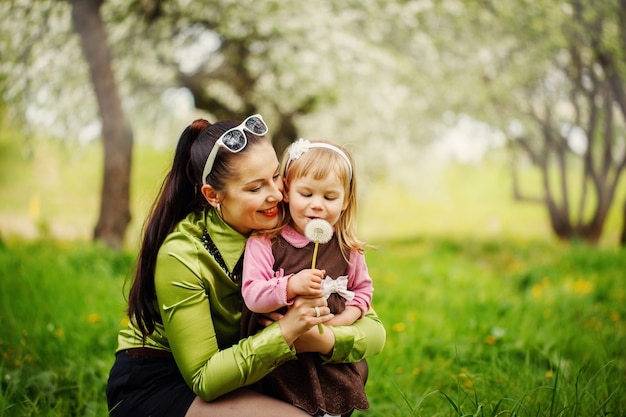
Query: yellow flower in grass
x=467 y=382
x=614 y=316
x=93 y=318
x=59 y=332
x=539 y=289
x=582 y=287
x=399 y=327
x=549 y=374
x=491 y=340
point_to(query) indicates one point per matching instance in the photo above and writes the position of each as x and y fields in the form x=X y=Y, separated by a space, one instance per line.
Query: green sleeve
x=201 y=316
x=364 y=338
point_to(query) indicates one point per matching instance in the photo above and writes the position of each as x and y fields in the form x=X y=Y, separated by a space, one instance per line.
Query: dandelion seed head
x=318 y=230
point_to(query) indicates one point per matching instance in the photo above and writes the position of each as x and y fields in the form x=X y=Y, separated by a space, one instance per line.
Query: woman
x=181 y=354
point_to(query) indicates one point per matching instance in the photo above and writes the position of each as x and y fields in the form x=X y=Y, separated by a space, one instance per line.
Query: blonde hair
x=316 y=163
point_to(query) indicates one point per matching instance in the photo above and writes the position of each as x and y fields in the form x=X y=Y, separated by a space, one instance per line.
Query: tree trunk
x=117 y=135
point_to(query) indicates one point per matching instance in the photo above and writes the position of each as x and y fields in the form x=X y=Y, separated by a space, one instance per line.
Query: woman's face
x=250 y=199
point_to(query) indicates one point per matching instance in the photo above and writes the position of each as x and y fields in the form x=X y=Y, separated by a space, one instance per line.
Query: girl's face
x=309 y=198
x=250 y=200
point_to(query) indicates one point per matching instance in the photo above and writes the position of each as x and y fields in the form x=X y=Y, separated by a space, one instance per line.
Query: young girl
x=319 y=184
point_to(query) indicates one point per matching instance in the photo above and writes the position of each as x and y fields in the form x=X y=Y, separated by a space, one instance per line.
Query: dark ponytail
x=179 y=195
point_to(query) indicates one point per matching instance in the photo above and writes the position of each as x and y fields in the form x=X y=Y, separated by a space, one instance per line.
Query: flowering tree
x=236 y=58
x=549 y=74
x=553 y=79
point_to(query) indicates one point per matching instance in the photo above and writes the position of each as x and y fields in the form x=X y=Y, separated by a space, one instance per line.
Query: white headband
x=300 y=146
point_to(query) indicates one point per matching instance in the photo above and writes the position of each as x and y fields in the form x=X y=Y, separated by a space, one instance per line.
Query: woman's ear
x=210 y=195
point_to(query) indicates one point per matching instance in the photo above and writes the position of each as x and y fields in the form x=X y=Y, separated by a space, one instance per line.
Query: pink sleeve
x=360 y=282
x=263 y=290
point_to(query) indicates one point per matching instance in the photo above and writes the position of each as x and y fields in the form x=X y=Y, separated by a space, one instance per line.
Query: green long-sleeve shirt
x=201 y=309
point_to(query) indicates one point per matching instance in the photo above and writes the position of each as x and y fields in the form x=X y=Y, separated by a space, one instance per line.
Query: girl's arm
x=360 y=282
x=263 y=290
x=346 y=317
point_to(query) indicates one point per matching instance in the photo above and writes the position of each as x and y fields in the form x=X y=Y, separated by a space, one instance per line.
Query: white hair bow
x=338 y=285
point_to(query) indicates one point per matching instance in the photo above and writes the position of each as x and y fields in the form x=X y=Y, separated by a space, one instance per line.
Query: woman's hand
x=303 y=315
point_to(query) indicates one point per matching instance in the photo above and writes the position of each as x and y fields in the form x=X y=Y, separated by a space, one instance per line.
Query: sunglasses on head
x=235 y=140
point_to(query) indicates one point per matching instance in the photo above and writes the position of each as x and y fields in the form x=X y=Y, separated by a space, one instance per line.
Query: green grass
x=475 y=327
x=499 y=328
x=60 y=306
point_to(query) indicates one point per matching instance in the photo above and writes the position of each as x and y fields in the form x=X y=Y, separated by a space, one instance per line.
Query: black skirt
x=147 y=386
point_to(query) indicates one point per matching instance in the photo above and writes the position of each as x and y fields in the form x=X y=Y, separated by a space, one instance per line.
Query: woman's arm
x=201 y=311
x=200 y=317
x=364 y=338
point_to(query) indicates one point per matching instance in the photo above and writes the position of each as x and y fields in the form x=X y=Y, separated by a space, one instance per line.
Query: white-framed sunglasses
x=235 y=140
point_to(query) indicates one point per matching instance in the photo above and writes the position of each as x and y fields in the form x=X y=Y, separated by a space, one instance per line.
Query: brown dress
x=308 y=383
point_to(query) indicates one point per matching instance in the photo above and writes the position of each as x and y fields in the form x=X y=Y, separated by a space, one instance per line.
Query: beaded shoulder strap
x=234 y=276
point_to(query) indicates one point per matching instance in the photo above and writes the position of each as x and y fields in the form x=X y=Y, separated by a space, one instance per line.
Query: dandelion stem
x=317 y=244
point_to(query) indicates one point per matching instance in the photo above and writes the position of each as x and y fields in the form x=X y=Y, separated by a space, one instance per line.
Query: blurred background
x=467 y=117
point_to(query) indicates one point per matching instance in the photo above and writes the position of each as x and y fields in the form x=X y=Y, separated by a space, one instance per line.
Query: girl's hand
x=302 y=316
x=307 y=282
x=346 y=318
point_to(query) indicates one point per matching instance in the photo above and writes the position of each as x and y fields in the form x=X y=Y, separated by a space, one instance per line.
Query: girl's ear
x=210 y=195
